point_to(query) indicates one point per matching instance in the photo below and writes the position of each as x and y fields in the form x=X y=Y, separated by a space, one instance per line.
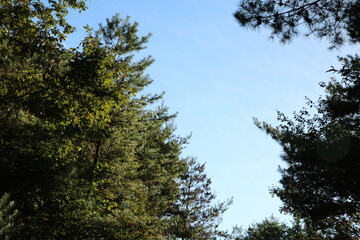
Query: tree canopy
x=82 y=153
x=197 y=216
x=320 y=181
x=336 y=20
x=272 y=229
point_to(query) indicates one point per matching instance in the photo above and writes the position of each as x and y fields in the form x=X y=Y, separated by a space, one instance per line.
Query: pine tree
x=272 y=229
x=320 y=181
x=196 y=214
x=8 y=215
x=81 y=151
x=336 y=21
x=57 y=106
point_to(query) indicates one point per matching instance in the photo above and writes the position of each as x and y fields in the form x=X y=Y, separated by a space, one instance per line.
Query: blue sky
x=219 y=76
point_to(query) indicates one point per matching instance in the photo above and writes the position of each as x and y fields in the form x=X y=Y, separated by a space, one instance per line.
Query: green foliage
x=272 y=229
x=196 y=215
x=8 y=215
x=269 y=229
x=336 y=21
x=81 y=151
x=320 y=180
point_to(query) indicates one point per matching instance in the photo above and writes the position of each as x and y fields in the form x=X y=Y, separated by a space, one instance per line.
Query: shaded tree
x=336 y=21
x=319 y=182
x=8 y=215
x=322 y=153
x=272 y=229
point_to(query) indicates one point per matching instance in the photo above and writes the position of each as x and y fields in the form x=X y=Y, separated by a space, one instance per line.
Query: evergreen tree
x=58 y=107
x=81 y=151
x=320 y=181
x=335 y=20
x=322 y=152
x=8 y=215
x=272 y=229
x=268 y=229
x=196 y=215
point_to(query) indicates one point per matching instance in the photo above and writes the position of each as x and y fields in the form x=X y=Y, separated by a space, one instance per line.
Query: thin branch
x=289 y=11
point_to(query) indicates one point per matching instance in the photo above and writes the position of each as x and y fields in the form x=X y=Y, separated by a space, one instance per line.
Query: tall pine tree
x=82 y=153
x=320 y=180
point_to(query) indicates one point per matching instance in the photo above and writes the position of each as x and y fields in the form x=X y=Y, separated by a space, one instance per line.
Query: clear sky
x=219 y=76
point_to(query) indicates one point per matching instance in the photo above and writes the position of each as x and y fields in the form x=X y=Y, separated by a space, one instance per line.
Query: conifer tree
x=81 y=151
x=337 y=21
x=272 y=229
x=8 y=215
x=196 y=214
x=57 y=106
x=320 y=181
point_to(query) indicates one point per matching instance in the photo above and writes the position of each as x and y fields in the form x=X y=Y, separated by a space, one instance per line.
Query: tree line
x=84 y=154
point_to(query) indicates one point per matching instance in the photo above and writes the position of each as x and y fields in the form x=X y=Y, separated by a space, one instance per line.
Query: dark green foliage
x=322 y=152
x=335 y=20
x=81 y=152
x=269 y=229
x=320 y=181
x=197 y=216
x=57 y=105
x=272 y=229
x=8 y=215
